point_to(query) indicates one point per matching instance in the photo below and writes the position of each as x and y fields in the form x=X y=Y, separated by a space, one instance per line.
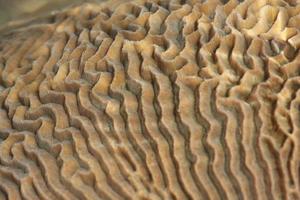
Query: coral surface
x=153 y=99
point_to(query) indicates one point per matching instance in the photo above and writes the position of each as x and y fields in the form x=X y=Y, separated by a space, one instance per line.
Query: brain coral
x=152 y=99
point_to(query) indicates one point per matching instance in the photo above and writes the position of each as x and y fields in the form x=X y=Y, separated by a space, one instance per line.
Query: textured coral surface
x=153 y=99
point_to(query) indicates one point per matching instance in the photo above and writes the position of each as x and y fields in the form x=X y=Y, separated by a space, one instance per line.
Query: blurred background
x=22 y=9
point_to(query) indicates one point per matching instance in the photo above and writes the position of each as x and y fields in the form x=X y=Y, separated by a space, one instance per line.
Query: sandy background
x=22 y=9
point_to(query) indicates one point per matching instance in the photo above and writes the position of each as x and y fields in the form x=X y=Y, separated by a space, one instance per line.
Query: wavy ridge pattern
x=153 y=99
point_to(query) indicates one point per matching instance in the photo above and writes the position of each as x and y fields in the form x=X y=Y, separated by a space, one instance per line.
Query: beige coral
x=152 y=99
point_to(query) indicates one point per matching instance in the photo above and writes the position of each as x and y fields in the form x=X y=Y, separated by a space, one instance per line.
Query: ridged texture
x=153 y=100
